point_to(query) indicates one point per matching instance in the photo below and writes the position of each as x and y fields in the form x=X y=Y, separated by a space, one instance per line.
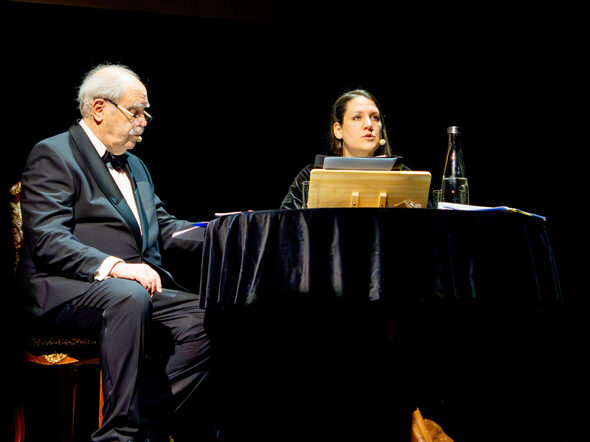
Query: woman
x=356 y=130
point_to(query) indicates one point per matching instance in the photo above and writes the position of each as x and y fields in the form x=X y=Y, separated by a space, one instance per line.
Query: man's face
x=117 y=129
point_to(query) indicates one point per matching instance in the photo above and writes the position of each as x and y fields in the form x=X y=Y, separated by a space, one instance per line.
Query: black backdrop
x=240 y=107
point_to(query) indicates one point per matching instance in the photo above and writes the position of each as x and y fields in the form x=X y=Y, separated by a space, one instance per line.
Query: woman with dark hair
x=356 y=130
x=365 y=118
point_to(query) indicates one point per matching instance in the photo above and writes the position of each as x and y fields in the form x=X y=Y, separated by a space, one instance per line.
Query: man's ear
x=98 y=109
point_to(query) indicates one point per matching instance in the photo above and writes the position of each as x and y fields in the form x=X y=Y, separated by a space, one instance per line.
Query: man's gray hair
x=104 y=81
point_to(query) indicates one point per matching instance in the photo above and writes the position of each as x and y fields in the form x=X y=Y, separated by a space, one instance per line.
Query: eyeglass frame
x=146 y=116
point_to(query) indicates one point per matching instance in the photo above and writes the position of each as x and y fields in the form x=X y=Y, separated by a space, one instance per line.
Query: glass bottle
x=455 y=188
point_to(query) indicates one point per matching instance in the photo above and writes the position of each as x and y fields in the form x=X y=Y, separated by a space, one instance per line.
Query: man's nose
x=141 y=121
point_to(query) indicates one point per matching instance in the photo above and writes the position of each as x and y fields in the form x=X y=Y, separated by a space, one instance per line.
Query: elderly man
x=94 y=231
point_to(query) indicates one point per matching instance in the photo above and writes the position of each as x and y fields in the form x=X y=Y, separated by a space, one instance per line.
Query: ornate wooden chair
x=426 y=430
x=66 y=352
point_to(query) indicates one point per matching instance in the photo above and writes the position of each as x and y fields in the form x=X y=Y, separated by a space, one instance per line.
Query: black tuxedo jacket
x=74 y=216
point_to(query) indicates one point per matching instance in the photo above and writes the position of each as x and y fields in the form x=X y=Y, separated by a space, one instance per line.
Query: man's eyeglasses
x=130 y=115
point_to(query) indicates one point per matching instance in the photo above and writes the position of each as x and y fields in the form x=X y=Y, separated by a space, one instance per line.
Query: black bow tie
x=117 y=161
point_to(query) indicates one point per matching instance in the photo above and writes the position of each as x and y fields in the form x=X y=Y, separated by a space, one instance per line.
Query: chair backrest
x=16 y=218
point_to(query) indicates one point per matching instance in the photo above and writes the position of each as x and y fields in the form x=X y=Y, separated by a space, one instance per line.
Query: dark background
x=242 y=104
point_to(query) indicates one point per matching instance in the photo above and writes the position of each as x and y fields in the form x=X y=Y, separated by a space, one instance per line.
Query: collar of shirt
x=98 y=145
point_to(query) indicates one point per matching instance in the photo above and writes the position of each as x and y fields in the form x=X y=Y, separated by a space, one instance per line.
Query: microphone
x=381 y=141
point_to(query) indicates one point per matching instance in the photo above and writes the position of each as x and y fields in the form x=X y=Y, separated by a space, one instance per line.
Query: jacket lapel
x=104 y=179
x=139 y=200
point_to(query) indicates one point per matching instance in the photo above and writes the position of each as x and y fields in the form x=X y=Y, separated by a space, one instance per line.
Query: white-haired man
x=94 y=230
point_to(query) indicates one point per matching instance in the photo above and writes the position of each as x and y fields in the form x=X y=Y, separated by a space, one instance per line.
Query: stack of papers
x=455 y=206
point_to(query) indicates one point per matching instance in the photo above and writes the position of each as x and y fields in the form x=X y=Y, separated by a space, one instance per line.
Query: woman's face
x=360 y=130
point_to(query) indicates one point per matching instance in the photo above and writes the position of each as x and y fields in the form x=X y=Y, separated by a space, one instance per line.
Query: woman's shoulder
x=306 y=171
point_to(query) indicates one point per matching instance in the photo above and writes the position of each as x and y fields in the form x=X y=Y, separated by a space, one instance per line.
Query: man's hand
x=141 y=273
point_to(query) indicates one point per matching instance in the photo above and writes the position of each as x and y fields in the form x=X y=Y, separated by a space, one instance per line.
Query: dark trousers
x=154 y=356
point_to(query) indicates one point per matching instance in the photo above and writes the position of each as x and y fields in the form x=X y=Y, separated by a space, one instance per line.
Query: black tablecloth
x=397 y=255
x=334 y=324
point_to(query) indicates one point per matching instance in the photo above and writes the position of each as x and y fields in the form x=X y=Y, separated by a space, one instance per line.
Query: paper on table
x=226 y=213
x=195 y=233
x=219 y=214
x=466 y=207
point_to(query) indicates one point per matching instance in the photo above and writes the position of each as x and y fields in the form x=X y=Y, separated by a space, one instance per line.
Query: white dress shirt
x=124 y=185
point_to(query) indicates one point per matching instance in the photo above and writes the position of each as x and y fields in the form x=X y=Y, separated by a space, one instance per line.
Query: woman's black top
x=294 y=198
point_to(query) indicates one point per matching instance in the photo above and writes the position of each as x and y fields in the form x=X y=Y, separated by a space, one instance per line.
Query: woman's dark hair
x=338 y=110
